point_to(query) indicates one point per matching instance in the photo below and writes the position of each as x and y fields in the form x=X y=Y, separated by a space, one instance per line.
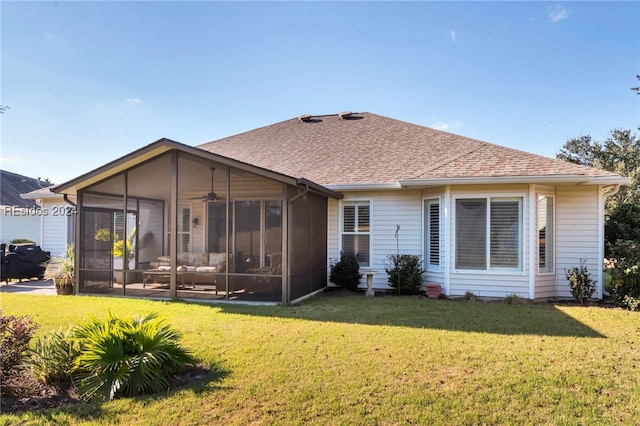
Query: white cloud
x=133 y=100
x=11 y=160
x=452 y=34
x=436 y=123
x=557 y=14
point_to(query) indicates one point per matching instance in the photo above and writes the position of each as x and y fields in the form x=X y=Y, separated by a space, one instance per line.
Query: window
x=184 y=227
x=545 y=234
x=432 y=234
x=488 y=234
x=356 y=230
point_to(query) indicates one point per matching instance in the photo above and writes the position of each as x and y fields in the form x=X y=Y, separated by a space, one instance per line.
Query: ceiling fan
x=211 y=196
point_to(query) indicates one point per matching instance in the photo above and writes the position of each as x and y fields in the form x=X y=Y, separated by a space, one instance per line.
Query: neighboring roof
x=369 y=149
x=41 y=193
x=164 y=145
x=12 y=185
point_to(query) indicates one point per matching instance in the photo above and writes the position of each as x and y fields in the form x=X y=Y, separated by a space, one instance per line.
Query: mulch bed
x=20 y=392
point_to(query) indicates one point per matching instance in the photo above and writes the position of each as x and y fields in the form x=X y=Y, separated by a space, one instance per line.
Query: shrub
x=22 y=241
x=470 y=297
x=15 y=334
x=514 y=299
x=345 y=272
x=580 y=282
x=625 y=274
x=52 y=357
x=405 y=273
x=123 y=357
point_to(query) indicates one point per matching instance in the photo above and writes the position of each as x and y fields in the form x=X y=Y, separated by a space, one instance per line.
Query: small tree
x=15 y=335
x=345 y=272
x=580 y=282
x=405 y=273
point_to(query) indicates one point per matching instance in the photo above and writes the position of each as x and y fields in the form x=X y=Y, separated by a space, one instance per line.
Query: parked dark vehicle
x=22 y=261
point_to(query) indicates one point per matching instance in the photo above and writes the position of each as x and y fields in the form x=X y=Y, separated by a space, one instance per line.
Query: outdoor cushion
x=216 y=258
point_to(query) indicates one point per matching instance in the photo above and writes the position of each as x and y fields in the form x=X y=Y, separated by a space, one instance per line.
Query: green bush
x=405 y=273
x=345 y=272
x=580 y=282
x=123 y=357
x=53 y=356
x=15 y=334
x=625 y=274
x=22 y=241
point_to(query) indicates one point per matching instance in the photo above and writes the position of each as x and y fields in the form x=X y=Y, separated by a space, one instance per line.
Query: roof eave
x=163 y=146
x=550 y=179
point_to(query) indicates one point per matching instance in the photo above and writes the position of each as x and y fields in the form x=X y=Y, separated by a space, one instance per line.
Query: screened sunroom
x=173 y=221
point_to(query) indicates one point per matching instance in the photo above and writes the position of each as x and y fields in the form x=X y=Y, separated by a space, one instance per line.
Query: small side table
x=369 y=273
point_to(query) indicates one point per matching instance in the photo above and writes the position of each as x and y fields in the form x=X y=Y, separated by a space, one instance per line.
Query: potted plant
x=60 y=270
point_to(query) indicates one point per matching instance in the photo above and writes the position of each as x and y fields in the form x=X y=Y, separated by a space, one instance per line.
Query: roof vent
x=304 y=118
x=345 y=115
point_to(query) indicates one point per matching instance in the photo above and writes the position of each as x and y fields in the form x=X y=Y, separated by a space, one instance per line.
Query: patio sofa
x=193 y=268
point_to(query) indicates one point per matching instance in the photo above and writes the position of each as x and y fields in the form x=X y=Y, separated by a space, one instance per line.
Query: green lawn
x=384 y=360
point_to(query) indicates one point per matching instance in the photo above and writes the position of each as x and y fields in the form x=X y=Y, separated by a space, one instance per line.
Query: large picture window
x=432 y=234
x=545 y=234
x=356 y=230
x=489 y=234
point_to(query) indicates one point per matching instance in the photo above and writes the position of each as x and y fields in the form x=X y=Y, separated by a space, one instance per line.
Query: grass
x=383 y=360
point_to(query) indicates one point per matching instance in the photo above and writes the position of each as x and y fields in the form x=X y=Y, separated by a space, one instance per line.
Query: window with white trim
x=545 y=234
x=356 y=230
x=489 y=233
x=432 y=234
x=184 y=227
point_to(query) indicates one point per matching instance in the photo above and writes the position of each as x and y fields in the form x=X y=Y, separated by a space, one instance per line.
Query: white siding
x=13 y=226
x=54 y=226
x=577 y=232
x=388 y=209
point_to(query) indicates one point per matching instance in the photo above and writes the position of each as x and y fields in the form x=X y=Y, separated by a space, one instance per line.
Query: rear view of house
x=260 y=215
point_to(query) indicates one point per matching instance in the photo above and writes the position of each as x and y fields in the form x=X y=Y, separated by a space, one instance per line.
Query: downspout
x=611 y=190
x=76 y=248
x=65 y=197
x=302 y=194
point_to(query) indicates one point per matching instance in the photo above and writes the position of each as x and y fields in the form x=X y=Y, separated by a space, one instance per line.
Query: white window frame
x=520 y=198
x=552 y=246
x=181 y=207
x=357 y=202
x=427 y=203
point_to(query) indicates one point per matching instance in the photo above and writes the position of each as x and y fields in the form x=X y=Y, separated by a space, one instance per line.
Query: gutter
x=566 y=179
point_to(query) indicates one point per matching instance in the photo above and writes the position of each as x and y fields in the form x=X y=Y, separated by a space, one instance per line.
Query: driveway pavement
x=29 y=287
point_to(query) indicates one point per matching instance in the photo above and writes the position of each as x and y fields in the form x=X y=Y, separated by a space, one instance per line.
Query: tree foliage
x=619 y=153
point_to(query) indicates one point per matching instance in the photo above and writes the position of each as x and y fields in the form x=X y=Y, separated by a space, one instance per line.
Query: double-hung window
x=489 y=233
x=356 y=230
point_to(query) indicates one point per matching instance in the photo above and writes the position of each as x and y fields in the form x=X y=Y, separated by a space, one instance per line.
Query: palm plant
x=60 y=270
x=127 y=356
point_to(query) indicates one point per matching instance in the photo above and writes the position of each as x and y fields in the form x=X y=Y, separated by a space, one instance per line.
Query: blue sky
x=88 y=82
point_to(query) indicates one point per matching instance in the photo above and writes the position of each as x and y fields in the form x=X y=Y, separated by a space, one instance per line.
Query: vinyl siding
x=54 y=227
x=388 y=209
x=13 y=227
x=577 y=232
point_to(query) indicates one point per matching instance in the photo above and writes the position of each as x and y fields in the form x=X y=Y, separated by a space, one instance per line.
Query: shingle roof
x=13 y=184
x=372 y=149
